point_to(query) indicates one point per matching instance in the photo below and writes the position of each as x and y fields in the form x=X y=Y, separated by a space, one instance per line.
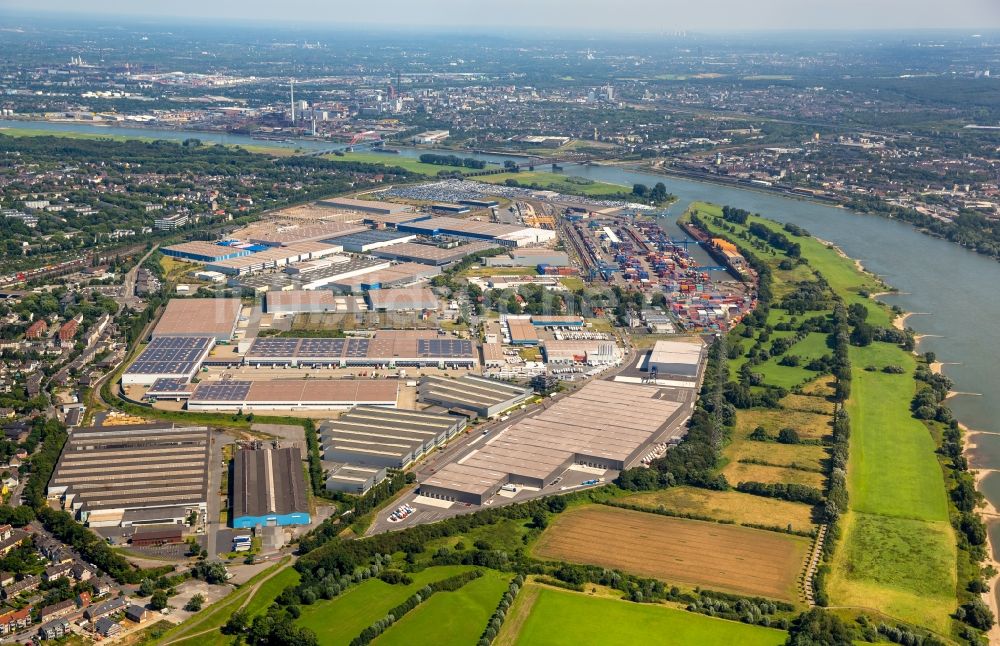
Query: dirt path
x=518 y=615
x=253 y=591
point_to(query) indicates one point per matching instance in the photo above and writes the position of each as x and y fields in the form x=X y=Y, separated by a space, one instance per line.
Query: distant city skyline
x=623 y=15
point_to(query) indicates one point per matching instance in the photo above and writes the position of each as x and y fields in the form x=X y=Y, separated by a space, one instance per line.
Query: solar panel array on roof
x=171 y=356
x=447 y=348
x=229 y=391
x=167 y=385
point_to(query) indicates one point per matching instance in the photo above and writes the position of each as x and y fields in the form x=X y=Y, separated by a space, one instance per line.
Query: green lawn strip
x=456 y=617
x=216 y=615
x=270 y=590
x=411 y=164
x=893 y=469
x=561 y=618
x=341 y=619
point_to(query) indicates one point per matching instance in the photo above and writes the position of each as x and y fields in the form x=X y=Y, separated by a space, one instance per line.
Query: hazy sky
x=640 y=15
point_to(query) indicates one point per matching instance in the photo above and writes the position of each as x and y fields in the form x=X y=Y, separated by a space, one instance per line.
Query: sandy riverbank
x=989 y=513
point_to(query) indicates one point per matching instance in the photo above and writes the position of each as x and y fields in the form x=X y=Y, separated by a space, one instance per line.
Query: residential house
x=54 y=629
x=58 y=571
x=136 y=613
x=110 y=607
x=83 y=599
x=6 y=578
x=26 y=584
x=57 y=610
x=103 y=585
x=107 y=627
x=12 y=541
x=81 y=572
x=15 y=620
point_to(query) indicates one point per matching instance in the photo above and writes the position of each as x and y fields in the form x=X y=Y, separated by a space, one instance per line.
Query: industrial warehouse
x=269 y=488
x=402 y=299
x=200 y=317
x=472 y=395
x=240 y=396
x=383 y=438
x=604 y=425
x=676 y=359
x=133 y=475
x=168 y=357
x=391 y=348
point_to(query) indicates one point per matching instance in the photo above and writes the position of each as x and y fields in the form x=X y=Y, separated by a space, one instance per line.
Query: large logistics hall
x=240 y=396
x=375 y=437
x=476 y=396
x=197 y=317
x=604 y=425
x=133 y=475
x=269 y=488
x=387 y=348
x=168 y=357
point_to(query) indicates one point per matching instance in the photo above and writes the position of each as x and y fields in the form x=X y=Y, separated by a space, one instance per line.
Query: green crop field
x=341 y=619
x=457 y=617
x=411 y=164
x=560 y=618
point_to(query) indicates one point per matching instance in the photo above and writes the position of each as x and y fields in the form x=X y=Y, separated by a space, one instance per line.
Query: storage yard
x=133 y=475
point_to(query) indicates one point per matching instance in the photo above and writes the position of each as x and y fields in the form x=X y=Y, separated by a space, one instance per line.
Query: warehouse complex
x=505 y=235
x=676 y=359
x=269 y=488
x=240 y=396
x=382 y=438
x=476 y=396
x=391 y=348
x=200 y=317
x=402 y=299
x=605 y=425
x=133 y=475
x=295 y=301
x=530 y=257
x=429 y=254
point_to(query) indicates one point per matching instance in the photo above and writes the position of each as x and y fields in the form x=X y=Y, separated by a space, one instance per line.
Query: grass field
x=411 y=164
x=456 y=617
x=558 y=182
x=340 y=620
x=737 y=472
x=724 y=557
x=898 y=552
x=562 y=618
x=809 y=425
x=732 y=506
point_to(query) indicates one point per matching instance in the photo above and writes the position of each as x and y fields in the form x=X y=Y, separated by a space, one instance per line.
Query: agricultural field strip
x=695 y=552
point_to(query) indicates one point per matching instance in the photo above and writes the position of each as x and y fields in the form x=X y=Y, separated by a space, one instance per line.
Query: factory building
x=200 y=317
x=570 y=322
x=530 y=257
x=366 y=206
x=591 y=353
x=291 y=394
x=505 y=235
x=401 y=275
x=299 y=300
x=402 y=299
x=369 y=240
x=278 y=234
x=520 y=331
x=133 y=475
x=278 y=257
x=199 y=251
x=269 y=488
x=385 y=438
x=676 y=359
x=393 y=348
x=355 y=479
x=429 y=254
x=477 y=396
x=605 y=425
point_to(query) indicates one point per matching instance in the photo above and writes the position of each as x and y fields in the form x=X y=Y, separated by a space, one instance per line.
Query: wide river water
x=954 y=293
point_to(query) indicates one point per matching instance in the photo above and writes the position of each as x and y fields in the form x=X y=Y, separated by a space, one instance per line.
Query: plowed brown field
x=677 y=550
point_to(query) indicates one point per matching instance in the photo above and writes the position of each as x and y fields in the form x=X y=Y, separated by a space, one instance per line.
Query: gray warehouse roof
x=136 y=466
x=269 y=481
